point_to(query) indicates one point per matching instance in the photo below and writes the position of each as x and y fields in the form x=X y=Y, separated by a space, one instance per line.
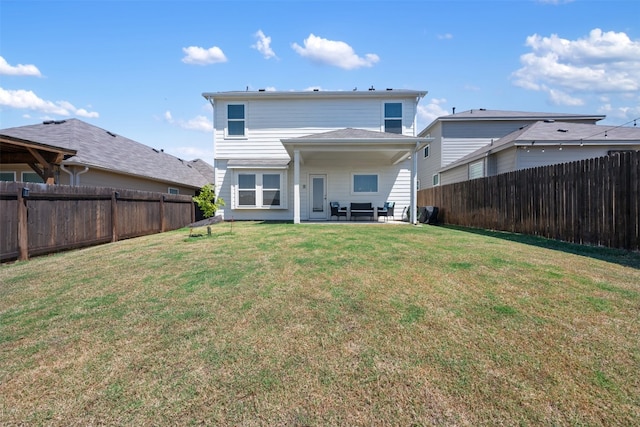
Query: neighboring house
x=286 y=155
x=73 y=152
x=458 y=135
x=542 y=143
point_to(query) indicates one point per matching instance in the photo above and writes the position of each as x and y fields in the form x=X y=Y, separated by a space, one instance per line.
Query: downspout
x=86 y=169
x=414 y=185
x=74 y=177
x=71 y=176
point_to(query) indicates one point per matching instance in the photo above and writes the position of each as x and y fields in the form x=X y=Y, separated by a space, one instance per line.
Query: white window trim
x=259 y=195
x=435 y=179
x=226 y=121
x=361 y=193
x=383 y=126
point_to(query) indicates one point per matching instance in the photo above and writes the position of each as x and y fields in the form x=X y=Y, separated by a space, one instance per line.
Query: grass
x=282 y=324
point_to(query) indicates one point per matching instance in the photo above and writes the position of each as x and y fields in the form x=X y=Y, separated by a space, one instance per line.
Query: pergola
x=42 y=158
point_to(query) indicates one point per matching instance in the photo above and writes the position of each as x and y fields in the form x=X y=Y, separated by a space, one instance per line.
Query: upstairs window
x=393 y=117
x=235 y=120
x=426 y=151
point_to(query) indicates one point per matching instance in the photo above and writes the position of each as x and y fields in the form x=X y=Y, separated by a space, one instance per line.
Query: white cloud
x=447 y=36
x=558 y=97
x=18 y=70
x=193 y=153
x=336 y=53
x=431 y=111
x=81 y=112
x=601 y=63
x=263 y=45
x=26 y=99
x=198 y=123
x=201 y=56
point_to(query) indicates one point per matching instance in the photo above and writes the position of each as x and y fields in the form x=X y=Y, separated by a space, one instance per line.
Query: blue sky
x=139 y=68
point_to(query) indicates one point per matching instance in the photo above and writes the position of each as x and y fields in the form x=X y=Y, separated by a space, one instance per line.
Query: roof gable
x=106 y=150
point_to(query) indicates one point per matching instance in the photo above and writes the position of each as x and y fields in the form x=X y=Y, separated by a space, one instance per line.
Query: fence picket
x=594 y=201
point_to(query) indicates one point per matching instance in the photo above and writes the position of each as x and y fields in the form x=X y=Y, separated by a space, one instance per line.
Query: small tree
x=207 y=200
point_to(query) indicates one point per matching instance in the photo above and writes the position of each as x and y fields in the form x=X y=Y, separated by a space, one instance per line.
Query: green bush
x=207 y=200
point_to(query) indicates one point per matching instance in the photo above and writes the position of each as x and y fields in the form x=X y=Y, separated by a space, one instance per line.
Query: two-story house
x=286 y=155
x=542 y=143
x=460 y=134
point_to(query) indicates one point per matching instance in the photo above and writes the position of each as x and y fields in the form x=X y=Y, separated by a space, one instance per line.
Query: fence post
x=162 y=219
x=23 y=229
x=114 y=216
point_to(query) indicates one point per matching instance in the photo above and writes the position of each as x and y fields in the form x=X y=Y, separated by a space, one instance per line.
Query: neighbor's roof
x=105 y=150
x=556 y=133
x=482 y=114
x=315 y=94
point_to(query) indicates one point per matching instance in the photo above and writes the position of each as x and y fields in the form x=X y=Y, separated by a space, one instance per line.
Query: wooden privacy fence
x=595 y=201
x=37 y=219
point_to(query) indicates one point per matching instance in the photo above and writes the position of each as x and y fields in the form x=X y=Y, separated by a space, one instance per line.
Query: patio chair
x=387 y=210
x=338 y=211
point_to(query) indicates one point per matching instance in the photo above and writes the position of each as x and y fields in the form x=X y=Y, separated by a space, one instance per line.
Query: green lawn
x=313 y=324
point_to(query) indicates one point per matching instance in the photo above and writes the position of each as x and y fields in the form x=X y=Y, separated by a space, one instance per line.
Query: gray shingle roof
x=105 y=150
x=484 y=114
x=350 y=133
x=555 y=133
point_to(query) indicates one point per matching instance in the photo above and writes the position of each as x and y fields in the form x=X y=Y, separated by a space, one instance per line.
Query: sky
x=139 y=68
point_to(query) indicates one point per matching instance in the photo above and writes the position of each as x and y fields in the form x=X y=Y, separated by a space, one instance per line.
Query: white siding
x=393 y=185
x=455 y=149
x=269 y=121
x=457 y=174
x=506 y=161
x=536 y=157
x=431 y=165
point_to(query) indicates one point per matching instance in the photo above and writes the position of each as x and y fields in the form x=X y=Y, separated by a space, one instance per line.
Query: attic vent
x=157 y=151
x=47 y=122
x=549 y=121
x=389 y=88
x=483 y=109
x=111 y=133
x=261 y=90
x=53 y=122
x=563 y=130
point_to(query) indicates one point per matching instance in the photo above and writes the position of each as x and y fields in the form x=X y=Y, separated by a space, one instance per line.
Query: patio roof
x=386 y=147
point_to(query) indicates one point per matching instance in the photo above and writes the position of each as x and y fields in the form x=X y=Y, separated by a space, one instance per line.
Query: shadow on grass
x=617 y=256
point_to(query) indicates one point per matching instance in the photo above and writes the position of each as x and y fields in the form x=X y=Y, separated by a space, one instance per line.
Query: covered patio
x=339 y=156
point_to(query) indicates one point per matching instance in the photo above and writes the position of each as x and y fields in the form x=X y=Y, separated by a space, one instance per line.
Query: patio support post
x=414 y=186
x=296 y=186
